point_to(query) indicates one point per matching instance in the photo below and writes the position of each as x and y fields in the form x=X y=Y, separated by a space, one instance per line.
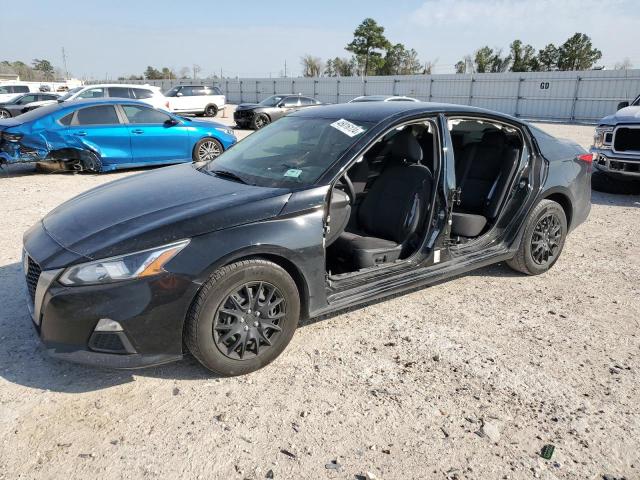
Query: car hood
x=247 y=106
x=155 y=208
x=624 y=115
x=9 y=122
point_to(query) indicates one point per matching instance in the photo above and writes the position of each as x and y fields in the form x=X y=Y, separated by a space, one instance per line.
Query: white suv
x=145 y=93
x=198 y=99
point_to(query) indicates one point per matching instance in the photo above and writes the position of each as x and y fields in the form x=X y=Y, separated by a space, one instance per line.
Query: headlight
x=125 y=267
x=600 y=137
x=226 y=131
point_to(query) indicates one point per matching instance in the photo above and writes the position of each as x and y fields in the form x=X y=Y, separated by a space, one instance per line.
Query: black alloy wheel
x=249 y=320
x=545 y=231
x=260 y=120
x=546 y=238
x=243 y=317
x=211 y=111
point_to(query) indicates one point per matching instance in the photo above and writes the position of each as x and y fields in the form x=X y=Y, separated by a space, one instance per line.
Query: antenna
x=64 y=63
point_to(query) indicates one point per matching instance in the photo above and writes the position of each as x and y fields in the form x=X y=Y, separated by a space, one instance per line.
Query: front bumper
x=244 y=117
x=151 y=313
x=622 y=165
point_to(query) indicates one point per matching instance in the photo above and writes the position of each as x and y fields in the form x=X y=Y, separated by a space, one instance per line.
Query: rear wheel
x=543 y=239
x=211 y=110
x=243 y=317
x=4 y=113
x=260 y=120
x=207 y=149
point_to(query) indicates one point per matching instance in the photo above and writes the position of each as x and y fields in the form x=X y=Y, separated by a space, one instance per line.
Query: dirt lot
x=467 y=379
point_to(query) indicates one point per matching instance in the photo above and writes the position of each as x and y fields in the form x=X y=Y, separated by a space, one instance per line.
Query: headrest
x=493 y=138
x=406 y=147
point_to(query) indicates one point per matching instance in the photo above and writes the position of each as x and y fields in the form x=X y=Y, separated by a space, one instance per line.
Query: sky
x=254 y=38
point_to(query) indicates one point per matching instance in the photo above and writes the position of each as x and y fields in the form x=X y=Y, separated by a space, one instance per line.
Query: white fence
x=553 y=96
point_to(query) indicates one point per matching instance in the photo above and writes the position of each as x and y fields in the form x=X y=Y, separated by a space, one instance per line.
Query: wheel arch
x=564 y=200
x=276 y=257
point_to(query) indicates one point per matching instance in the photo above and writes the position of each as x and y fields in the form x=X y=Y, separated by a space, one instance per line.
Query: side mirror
x=622 y=105
x=280 y=105
x=179 y=94
x=171 y=122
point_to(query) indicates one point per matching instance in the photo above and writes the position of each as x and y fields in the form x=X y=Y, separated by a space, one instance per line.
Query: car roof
x=124 y=85
x=380 y=97
x=378 y=111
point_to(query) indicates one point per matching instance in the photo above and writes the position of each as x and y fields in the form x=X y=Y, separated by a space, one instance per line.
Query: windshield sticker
x=293 y=172
x=348 y=128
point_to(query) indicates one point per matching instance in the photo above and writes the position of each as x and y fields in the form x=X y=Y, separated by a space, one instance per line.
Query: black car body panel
x=227 y=220
x=246 y=112
x=25 y=102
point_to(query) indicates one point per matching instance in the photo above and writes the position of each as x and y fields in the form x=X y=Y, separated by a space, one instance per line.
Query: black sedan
x=327 y=208
x=258 y=115
x=23 y=103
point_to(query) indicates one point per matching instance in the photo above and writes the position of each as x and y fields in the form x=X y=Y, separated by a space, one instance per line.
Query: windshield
x=69 y=94
x=294 y=151
x=172 y=92
x=271 y=101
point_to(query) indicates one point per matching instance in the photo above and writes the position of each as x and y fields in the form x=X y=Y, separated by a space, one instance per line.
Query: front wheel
x=543 y=240
x=243 y=317
x=4 y=113
x=260 y=120
x=207 y=149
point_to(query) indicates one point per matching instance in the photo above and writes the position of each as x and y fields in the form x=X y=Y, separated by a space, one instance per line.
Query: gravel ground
x=467 y=379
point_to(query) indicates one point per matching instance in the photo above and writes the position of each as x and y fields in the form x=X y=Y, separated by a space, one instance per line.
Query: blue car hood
x=155 y=208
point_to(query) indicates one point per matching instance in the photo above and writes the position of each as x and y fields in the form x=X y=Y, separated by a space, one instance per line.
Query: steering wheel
x=350 y=191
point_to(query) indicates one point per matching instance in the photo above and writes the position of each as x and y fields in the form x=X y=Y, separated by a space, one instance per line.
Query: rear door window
x=120 y=92
x=306 y=101
x=20 y=89
x=98 y=115
x=137 y=115
x=92 y=93
x=27 y=99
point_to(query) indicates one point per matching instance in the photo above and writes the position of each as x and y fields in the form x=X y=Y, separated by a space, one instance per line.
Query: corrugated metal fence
x=554 y=96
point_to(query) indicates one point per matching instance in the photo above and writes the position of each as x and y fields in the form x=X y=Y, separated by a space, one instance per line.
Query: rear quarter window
x=553 y=148
x=142 y=93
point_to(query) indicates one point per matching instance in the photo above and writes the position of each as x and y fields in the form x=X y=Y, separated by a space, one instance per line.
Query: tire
x=539 y=228
x=260 y=120
x=211 y=332
x=602 y=182
x=89 y=162
x=211 y=110
x=206 y=149
x=4 y=113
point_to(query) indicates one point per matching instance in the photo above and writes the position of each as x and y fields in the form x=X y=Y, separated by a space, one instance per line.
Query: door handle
x=80 y=134
x=137 y=131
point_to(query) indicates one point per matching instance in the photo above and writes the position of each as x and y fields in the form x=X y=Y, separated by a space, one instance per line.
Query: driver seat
x=391 y=211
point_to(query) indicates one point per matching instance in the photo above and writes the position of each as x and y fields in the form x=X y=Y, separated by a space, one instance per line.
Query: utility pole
x=64 y=63
x=285 y=69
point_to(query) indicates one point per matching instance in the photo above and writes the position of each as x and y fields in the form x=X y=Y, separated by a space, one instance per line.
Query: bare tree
x=311 y=66
x=624 y=64
x=430 y=66
x=184 y=72
x=196 y=70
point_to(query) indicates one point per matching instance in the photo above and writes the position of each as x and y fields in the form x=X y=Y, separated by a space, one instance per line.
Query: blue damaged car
x=109 y=134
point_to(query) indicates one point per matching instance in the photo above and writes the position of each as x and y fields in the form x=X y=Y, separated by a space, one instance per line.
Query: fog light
x=108 y=325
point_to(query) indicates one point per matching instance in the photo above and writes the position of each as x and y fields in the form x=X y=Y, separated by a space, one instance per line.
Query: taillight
x=586 y=157
x=167 y=105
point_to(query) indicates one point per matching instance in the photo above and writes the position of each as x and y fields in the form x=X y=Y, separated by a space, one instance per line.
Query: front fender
x=297 y=239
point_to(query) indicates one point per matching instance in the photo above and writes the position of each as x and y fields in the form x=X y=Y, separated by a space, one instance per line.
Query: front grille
x=33 y=275
x=242 y=114
x=627 y=139
x=107 y=342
